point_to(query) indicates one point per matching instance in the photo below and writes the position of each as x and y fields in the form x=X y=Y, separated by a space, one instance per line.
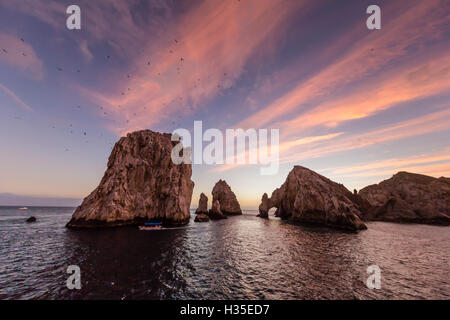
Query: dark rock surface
x=201 y=217
x=31 y=219
x=215 y=213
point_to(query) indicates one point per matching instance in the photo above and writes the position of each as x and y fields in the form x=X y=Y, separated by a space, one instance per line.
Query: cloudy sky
x=354 y=104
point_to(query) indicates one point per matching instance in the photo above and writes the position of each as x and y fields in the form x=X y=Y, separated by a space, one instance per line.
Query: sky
x=353 y=104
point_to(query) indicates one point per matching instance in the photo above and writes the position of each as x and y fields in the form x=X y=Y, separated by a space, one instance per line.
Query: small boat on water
x=23 y=208
x=149 y=226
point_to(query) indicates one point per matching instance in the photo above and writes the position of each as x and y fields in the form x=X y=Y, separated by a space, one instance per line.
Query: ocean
x=242 y=257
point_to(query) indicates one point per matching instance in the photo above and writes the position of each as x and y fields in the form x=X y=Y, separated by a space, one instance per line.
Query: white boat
x=151 y=226
x=23 y=208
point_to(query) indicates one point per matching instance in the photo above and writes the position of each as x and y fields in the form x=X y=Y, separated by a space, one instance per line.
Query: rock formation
x=202 y=204
x=264 y=207
x=409 y=197
x=141 y=184
x=31 y=219
x=215 y=212
x=308 y=197
x=227 y=199
x=201 y=217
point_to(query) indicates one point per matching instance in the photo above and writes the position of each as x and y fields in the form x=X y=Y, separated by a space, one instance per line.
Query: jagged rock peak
x=227 y=199
x=202 y=204
x=141 y=184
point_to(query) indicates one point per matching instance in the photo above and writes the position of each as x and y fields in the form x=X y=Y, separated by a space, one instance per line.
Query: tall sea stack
x=229 y=204
x=141 y=184
x=202 y=204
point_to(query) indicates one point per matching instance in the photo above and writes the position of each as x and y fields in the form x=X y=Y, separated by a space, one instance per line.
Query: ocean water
x=243 y=257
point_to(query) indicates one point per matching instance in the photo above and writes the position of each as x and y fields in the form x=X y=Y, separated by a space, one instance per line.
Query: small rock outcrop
x=409 y=197
x=215 y=212
x=264 y=207
x=31 y=219
x=308 y=197
x=202 y=204
x=201 y=217
x=141 y=184
x=227 y=199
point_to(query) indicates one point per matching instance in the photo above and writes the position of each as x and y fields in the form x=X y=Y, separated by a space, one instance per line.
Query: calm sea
x=243 y=257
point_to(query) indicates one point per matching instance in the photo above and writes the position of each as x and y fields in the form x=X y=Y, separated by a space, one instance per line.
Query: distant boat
x=151 y=226
x=23 y=208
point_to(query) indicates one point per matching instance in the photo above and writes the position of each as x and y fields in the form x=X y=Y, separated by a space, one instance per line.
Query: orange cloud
x=395 y=164
x=434 y=122
x=193 y=63
x=397 y=87
x=436 y=170
x=282 y=148
x=420 y=23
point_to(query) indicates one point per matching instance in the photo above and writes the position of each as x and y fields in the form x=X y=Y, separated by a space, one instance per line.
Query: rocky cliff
x=409 y=197
x=307 y=197
x=227 y=199
x=141 y=184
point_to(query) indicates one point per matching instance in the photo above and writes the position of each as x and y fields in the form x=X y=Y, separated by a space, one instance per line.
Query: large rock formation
x=215 y=213
x=409 y=197
x=202 y=204
x=141 y=184
x=264 y=207
x=227 y=199
x=308 y=197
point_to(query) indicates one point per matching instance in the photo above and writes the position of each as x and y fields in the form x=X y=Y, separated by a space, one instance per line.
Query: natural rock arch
x=309 y=197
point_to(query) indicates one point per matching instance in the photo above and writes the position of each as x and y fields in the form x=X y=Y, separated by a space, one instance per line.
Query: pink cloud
x=14 y=97
x=420 y=23
x=434 y=122
x=20 y=55
x=192 y=64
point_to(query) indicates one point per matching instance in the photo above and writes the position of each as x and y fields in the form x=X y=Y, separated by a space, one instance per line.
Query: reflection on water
x=243 y=257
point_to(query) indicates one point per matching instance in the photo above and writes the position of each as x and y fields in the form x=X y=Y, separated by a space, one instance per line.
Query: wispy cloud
x=396 y=87
x=191 y=64
x=15 y=98
x=435 y=170
x=21 y=55
x=434 y=122
x=420 y=23
x=393 y=164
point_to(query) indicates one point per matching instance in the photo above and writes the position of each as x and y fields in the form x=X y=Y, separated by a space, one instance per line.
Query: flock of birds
x=175 y=123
